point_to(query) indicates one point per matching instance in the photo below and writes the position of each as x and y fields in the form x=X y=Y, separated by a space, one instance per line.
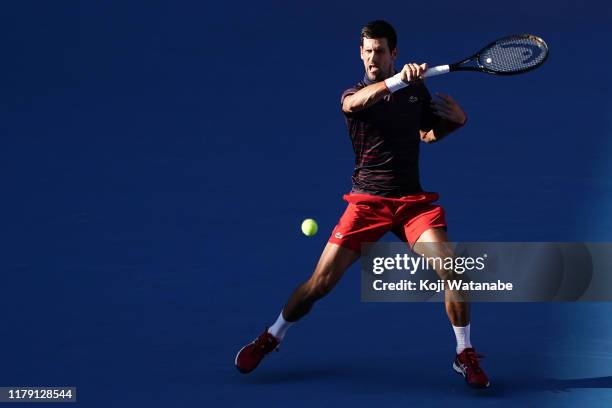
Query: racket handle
x=439 y=70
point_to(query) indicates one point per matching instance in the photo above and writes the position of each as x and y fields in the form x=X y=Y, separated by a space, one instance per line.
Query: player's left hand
x=447 y=108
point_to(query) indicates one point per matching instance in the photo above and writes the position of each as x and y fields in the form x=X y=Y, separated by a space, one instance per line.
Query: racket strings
x=514 y=54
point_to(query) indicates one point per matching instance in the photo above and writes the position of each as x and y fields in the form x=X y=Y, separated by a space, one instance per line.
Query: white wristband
x=395 y=83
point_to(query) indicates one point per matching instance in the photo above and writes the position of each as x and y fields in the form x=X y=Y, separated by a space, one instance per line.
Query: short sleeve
x=346 y=93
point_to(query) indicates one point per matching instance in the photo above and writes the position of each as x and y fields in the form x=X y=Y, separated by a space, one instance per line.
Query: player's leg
x=433 y=243
x=334 y=261
x=363 y=221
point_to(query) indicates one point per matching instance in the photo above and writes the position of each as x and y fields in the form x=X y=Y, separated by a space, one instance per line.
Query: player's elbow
x=347 y=107
x=351 y=105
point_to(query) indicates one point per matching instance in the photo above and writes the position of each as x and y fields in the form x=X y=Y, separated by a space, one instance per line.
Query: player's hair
x=380 y=29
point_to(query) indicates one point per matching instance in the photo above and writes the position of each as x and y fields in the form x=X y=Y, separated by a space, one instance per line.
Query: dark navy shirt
x=386 y=139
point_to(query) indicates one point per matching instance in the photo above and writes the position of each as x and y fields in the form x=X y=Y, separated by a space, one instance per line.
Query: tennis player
x=388 y=115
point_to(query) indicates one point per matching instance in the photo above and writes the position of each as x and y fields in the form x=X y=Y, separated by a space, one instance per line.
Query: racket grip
x=439 y=70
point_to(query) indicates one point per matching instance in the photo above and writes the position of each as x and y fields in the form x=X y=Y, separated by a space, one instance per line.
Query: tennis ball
x=309 y=227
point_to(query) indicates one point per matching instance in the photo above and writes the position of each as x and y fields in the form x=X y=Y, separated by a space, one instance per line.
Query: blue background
x=157 y=160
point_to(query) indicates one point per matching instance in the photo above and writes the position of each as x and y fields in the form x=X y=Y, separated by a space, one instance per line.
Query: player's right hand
x=413 y=72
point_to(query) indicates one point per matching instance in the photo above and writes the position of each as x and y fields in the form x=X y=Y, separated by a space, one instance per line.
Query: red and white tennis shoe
x=249 y=357
x=467 y=364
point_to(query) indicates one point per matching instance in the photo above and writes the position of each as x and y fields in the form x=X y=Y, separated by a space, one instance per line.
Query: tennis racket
x=511 y=55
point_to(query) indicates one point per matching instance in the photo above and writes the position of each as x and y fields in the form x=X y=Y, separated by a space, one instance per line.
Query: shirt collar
x=366 y=80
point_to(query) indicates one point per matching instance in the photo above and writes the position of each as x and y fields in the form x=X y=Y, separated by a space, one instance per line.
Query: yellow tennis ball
x=309 y=227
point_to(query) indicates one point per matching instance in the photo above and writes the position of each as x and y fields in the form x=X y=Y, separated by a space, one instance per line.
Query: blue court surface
x=158 y=158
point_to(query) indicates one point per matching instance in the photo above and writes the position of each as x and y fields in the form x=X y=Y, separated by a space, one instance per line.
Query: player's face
x=377 y=58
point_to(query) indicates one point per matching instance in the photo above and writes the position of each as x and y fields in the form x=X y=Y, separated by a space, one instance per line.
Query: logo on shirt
x=338 y=235
x=413 y=99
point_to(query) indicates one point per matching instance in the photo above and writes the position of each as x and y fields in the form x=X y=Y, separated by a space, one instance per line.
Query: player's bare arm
x=364 y=98
x=371 y=94
x=453 y=117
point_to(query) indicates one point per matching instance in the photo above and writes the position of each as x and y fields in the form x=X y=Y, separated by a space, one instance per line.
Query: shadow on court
x=389 y=378
x=368 y=376
x=556 y=385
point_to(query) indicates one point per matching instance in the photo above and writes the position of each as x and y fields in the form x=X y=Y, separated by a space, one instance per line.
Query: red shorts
x=368 y=217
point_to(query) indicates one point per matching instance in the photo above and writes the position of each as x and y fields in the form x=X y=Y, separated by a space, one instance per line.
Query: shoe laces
x=473 y=359
x=265 y=343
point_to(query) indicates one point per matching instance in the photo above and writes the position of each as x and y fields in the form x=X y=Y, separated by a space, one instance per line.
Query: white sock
x=463 y=337
x=280 y=327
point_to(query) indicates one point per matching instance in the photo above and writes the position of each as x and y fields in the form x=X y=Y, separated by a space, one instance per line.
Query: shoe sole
x=459 y=371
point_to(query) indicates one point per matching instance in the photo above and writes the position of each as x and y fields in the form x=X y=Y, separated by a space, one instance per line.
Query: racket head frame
x=458 y=66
